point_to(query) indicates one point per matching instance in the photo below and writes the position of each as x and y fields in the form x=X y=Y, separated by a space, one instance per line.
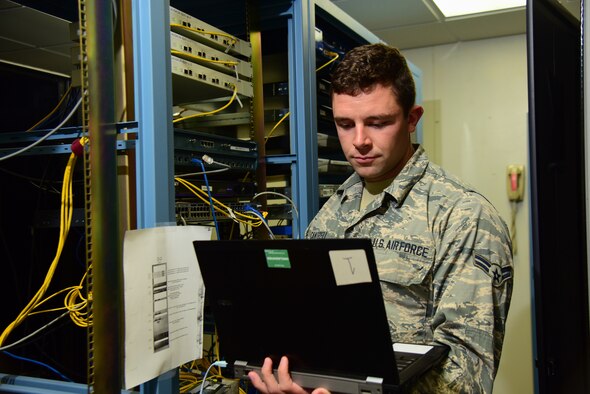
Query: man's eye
x=377 y=125
x=345 y=126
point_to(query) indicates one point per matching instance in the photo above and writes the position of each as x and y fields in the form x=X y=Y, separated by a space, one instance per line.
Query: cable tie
x=77 y=147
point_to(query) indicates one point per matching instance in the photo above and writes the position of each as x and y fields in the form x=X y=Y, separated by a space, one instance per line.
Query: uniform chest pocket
x=405 y=270
x=404 y=262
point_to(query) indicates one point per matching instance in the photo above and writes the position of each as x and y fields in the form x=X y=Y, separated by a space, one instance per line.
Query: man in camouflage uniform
x=443 y=252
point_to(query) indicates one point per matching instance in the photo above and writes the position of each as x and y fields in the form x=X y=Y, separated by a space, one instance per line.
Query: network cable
x=237 y=216
x=231 y=100
x=208 y=160
x=232 y=39
x=221 y=364
x=64 y=377
x=200 y=162
x=49 y=134
x=280 y=195
x=31 y=335
x=248 y=207
x=65 y=224
x=224 y=62
x=335 y=56
x=54 y=110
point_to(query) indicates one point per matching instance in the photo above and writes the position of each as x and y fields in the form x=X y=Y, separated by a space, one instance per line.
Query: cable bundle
x=240 y=217
x=75 y=308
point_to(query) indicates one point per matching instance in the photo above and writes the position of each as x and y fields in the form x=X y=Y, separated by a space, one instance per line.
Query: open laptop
x=319 y=302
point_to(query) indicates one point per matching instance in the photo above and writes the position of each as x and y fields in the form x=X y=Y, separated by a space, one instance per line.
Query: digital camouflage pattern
x=445 y=264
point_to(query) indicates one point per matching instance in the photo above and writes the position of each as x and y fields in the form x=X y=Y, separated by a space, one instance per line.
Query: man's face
x=374 y=133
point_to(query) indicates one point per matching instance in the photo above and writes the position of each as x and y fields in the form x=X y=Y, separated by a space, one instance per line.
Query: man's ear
x=414 y=116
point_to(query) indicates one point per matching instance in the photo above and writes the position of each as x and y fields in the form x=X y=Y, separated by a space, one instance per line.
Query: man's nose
x=360 y=137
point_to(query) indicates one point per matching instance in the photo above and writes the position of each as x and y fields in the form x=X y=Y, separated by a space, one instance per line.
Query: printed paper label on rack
x=164 y=298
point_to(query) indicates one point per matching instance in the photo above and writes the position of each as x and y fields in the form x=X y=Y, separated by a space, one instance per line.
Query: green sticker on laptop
x=277 y=258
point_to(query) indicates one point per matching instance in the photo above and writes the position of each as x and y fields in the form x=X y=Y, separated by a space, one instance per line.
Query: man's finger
x=285 y=380
x=268 y=377
x=257 y=382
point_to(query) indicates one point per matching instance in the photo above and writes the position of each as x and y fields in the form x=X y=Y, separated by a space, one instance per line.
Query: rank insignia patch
x=494 y=271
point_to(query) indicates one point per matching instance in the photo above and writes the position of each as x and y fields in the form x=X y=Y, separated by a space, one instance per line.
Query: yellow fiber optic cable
x=47 y=299
x=231 y=100
x=333 y=59
x=203 y=32
x=226 y=62
x=77 y=304
x=285 y=116
x=65 y=223
x=219 y=206
x=53 y=110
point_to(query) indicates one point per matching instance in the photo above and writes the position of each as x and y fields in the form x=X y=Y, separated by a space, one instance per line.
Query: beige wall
x=475 y=124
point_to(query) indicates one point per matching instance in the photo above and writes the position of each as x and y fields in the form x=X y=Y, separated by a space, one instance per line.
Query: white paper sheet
x=164 y=297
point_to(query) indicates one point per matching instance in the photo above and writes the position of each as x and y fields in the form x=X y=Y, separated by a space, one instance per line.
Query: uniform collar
x=408 y=176
x=401 y=185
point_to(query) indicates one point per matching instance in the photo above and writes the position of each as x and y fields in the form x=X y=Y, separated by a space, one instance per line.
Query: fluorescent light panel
x=451 y=8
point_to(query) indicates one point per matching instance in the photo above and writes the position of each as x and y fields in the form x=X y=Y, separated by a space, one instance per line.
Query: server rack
x=153 y=108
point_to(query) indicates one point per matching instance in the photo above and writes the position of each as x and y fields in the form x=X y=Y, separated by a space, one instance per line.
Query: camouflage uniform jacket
x=445 y=265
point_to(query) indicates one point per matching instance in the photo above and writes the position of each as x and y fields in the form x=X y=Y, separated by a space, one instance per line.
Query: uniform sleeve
x=472 y=285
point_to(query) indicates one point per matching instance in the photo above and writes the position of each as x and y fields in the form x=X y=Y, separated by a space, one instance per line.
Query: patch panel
x=220 y=189
x=196 y=52
x=207 y=34
x=236 y=153
x=206 y=83
x=185 y=159
x=193 y=212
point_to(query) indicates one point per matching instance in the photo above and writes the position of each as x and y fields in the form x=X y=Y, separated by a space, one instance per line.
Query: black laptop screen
x=318 y=302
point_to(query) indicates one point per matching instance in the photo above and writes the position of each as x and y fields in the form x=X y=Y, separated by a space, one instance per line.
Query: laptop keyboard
x=403 y=360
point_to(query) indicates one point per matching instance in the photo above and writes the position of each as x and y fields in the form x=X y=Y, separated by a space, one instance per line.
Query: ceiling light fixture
x=451 y=8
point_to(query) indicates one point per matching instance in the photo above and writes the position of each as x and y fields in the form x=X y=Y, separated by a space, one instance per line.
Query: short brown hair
x=366 y=66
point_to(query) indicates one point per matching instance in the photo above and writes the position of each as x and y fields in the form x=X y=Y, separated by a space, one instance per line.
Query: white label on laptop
x=411 y=348
x=350 y=266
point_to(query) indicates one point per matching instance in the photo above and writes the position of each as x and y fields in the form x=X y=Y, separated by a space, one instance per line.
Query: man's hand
x=268 y=384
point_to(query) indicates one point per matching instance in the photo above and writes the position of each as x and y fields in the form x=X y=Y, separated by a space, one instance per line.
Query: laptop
x=316 y=301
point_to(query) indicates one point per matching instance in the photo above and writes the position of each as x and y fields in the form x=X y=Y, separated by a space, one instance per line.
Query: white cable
x=281 y=195
x=201 y=172
x=209 y=160
x=221 y=364
x=59 y=126
x=232 y=214
x=34 y=332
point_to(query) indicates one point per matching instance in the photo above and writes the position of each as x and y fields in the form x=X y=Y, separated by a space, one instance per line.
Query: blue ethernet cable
x=209 y=194
x=38 y=363
x=250 y=208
